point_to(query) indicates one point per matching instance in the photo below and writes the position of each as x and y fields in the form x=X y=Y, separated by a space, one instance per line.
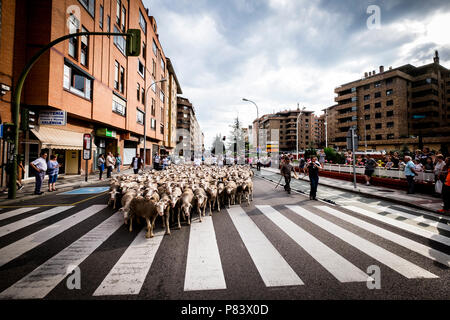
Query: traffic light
x=9 y=132
x=133 y=43
x=27 y=119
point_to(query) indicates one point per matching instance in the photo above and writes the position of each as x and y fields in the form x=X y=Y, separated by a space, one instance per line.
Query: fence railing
x=395 y=173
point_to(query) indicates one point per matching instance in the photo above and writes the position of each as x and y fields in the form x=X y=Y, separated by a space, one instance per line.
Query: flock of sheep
x=180 y=189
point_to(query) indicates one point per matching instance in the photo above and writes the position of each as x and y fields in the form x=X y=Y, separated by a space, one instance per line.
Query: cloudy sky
x=282 y=52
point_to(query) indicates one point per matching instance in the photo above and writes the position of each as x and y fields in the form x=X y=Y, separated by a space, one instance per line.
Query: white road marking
x=272 y=267
x=30 y=220
x=417 y=247
x=404 y=226
x=339 y=267
x=129 y=273
x=23 y=245
x=203 y=267
x=16 y=212
x=396 y=263
x=43 y=279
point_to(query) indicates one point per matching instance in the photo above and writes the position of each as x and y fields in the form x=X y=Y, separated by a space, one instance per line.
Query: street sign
x=54 y=118
x=87 y=146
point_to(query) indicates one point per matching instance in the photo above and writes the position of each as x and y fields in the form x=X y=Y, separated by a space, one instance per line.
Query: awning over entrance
x=53 y=138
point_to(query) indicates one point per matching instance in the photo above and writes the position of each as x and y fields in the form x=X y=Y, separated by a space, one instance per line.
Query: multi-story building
x=188 y=130
x=87 y=84
x=318 y=131
x=174 y=89
x=406 y=105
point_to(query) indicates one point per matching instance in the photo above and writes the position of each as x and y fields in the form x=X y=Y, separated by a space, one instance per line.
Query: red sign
x=87 y=146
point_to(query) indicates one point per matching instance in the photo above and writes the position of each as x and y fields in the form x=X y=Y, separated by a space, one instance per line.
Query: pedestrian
x=389 y=163
x=313 y=171
x=53 y=170
x=136 y=164
x=322 y=158
x=118 y=162
x=286 y=169
x=165 y=163
x=40 y=167
x=20 y=171
x=429 y=165
x=156 y=162
x=444 y=176
x=258 y=164
x=101 y=165
x=438 y=169
x=410 y=173
x=369 y=170
x=110 y=161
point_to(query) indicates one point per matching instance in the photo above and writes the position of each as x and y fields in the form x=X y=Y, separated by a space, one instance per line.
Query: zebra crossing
x=204 y=259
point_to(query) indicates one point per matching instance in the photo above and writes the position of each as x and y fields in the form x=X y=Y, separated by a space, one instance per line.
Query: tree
x=236 y=137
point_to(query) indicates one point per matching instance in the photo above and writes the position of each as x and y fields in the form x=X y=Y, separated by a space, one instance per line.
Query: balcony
x=345 y=96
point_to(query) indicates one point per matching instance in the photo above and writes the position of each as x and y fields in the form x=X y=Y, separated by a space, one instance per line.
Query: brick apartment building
x=188 y=129
x=174 y=89
x=90 y=79
x=406 y=105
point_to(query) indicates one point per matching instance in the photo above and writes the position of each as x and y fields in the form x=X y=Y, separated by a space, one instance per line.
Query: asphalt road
x=265 y=251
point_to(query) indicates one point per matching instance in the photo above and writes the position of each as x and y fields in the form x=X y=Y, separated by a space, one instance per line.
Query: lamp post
x=298 y=118
x=257 y=131
x=145 y=117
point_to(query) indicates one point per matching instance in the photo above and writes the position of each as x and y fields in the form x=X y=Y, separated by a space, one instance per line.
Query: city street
x=281 y=247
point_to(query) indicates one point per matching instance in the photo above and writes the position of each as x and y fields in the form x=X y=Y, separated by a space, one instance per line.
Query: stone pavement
x=420 y=201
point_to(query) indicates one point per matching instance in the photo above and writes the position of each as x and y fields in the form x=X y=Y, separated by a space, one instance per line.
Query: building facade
x=189 y=134
x=174 y=89
x=88 y=84
x=396 y=107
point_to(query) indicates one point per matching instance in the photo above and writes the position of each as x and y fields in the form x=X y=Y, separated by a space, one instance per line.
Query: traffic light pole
x=18 y=92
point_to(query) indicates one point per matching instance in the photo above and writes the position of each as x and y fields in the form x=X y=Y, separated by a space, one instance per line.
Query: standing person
x=136 y=164
x=395 y=159
x=313 y=170
x=20 y=171
x=165 y=163
x=101 y=165
x=118 y=162
x=110 y=161
x=302 y=165
x=438 y=169
x=40 y=167
x=156 y=162
x=410 y=173
x=369 y=170
x=53 y=170
x=258 y=164
x=445 y=177
x=322 y=158
x=429 y=165
x=286 y=169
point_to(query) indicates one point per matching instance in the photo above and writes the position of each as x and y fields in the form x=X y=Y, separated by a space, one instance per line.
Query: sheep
x=201 y=199
x=186 y=204
x=141 y=207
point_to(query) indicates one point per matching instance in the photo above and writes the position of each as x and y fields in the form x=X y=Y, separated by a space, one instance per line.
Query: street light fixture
x=298 y=118
x=145 y=117
x=257 y=131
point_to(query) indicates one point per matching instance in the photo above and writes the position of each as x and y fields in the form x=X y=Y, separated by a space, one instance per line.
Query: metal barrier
x=395 y=173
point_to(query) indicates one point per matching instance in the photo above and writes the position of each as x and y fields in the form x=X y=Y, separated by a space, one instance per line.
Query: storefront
x=105 y=141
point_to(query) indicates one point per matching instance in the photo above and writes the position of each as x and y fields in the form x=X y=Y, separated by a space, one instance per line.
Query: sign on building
x=87 y=146
x=54 y=118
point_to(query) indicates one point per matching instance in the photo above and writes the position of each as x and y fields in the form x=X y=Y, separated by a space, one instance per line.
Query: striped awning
x=53 y=138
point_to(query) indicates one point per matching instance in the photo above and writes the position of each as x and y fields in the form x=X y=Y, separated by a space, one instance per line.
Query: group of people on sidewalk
x=42 y=167
x=110 y=163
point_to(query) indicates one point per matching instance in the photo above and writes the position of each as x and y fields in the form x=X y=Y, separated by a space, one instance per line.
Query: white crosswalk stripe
x=12 y=227
x=18 y=248
x=272 y=267
x=338 y=266
x=16 y=212
x=402 y=266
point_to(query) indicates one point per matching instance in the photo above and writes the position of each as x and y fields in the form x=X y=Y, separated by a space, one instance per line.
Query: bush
x=333 y=156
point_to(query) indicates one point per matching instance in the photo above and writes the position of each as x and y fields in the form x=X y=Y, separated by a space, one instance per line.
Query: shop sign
x=104 y=132
x=54 y=118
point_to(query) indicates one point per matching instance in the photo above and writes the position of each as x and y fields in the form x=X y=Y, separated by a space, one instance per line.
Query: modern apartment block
x=318 y=131
x=406 y=105
x=87 y=84
x=189 y=134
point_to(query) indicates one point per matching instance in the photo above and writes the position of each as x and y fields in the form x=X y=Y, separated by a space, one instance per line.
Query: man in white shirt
x=110 y=162
x=157 y=159
x=40 y=167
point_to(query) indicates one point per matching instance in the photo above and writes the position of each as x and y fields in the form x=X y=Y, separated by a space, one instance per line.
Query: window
x=367 y=107
x=74 y=26
x=77 y=82
x=377 y=84
x=389 y=92
x=367 y=126
x=119 y=41
x=89 y=5
x=367 y=87
x=124 y=14
x=122 y=80
x=144 y=51
x=390 y=125
x=142 y=22
x=185 y=115
x=161 y=128
x=116 y=76
x=368 y=138
x=143 y=95
x=389 y=81
x=118 y=6
x=354 y=99
x=163 y=65
x=153 y=124
x=119 y=105
x=138 y=91
x=141 y=69
x=378 y=115
x=155 y=48
x=100 y=23
x=153 y=107
x=390 y=136
x=162 y=114
x=139 y=116
x=108 y=24
x=153 y=69
x=378 y=105
x=379 y=137
x=367 y=117
x=390 y=114
x=366 y=97
x=390 y=103
x=377 y=94
x=378 y=125
x=84 y=57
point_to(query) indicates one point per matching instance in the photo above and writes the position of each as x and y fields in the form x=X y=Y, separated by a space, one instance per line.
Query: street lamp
x=145 y=117
x=298 y=118
x=257 y=131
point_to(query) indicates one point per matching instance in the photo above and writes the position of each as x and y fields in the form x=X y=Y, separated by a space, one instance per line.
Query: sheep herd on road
x=179 y=190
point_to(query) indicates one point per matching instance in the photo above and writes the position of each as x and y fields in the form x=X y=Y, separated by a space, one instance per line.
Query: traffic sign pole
x=354 y=157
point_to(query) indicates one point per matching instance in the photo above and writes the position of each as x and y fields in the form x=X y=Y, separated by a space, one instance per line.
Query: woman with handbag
x=101 y=165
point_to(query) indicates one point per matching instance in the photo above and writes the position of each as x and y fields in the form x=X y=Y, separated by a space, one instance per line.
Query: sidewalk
x=420 y=201
x=64 y=183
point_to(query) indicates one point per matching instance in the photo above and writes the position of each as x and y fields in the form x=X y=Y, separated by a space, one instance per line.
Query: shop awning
x=53 y=138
